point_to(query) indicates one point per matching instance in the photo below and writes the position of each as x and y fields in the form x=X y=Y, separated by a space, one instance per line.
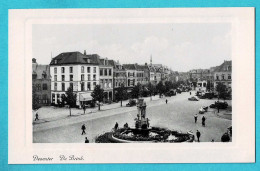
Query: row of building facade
x=84 y=71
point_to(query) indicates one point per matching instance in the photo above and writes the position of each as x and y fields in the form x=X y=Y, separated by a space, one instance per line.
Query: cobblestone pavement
x=177 y=114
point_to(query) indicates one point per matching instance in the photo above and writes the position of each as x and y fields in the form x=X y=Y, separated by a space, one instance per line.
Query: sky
x=180 y=46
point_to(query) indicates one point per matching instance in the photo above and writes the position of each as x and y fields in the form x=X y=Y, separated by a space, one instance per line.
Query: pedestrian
x=166 y=101
x=126 y=125
x=86 y=140
x=83 y=128
x=196 y=117
x=116 y=126
x=212 y=140
x=203 y=121
x=84 y=108
x=36 y=117
x=198 y=135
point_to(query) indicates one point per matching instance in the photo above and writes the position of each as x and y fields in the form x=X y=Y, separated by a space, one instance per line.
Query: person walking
x=36 y=117
x=196 y=117
x=83 y=128
x=116 y=126
x=86 y=140
x=203 y=121
x=198 y=135
x=166 y=101
x=84 y=108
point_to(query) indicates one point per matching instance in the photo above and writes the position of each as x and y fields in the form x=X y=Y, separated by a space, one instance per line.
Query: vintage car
x=219 y=105
x=131 y=103
x=170 y=93
x=203 y=109
x=194 y=98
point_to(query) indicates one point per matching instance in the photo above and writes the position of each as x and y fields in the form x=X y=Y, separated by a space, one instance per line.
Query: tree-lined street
x=178 y=114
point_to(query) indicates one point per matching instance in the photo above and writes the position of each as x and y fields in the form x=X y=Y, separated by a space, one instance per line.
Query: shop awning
x=85 y=97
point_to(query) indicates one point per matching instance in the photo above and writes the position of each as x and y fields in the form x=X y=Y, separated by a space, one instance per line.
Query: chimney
x=145 y=64
x=85 y=52
x=33 y=60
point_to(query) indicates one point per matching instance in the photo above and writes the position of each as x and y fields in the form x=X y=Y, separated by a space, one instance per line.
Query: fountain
x=143 y=133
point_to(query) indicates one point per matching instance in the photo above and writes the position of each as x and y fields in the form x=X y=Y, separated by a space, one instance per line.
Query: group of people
x=83 y=128
x=203 y=119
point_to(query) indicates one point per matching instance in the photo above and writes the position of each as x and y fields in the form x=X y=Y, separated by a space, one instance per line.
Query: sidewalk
x=226 y=114
x=51 y=113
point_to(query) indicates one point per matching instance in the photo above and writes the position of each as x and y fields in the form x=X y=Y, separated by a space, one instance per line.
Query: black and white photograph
x=122 y=83
x=138 y=83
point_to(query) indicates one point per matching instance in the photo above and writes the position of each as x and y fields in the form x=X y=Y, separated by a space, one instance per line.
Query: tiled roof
x=226 y=66
x=75 y=58
x=142 y=67
x=39 y=70
x=129 y=66
x=69 y=58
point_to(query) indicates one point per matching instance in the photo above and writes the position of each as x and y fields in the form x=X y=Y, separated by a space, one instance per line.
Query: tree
x=168 y=86
x=98 y=95
x=151 y=89
x=35 y=99
x=160 y=88
x=70 y=98
x=121 y=93
x=221 y=89
x=136 y=92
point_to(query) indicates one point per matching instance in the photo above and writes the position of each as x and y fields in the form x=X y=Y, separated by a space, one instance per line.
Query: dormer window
x=55 y=61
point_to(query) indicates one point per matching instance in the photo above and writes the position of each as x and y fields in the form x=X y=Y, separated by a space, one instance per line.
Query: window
x=55 y=77
x=63 y=86
x=94 y=77
x=71 y=85
x=83 y=86
x=101 y=72
x=62 y=70
x=38 y=87
x=94 y=70
x=88 y=69
x=116 y=84
x=88 y=77
x=71 y=69
x=223 y=77
x=89 y=86
x=44 y=86
x=105 y=72
x=55 y=86
x=128 y=82
x=55 y=70
x=217 y=78
x=82 y=77
x=53 y=97
x=82 y=69
x=63 y=78
x=229 y=76
x=34 y=76
x=44 y=75
x=110 y=72
x=71 y=77
x=55 y=61
x=94 y=84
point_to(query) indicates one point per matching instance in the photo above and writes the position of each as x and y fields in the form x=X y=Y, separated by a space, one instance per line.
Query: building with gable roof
x=41 y=81
x=77 y=70
x=223 y=74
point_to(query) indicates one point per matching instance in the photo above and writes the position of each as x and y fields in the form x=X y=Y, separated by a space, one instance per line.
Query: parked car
x=203 y=109
x=194 y=98
x=131 y=103
x=170 y=93
x=219 y=104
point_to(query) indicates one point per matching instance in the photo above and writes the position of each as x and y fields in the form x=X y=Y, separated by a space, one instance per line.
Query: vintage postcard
x=172 y=85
